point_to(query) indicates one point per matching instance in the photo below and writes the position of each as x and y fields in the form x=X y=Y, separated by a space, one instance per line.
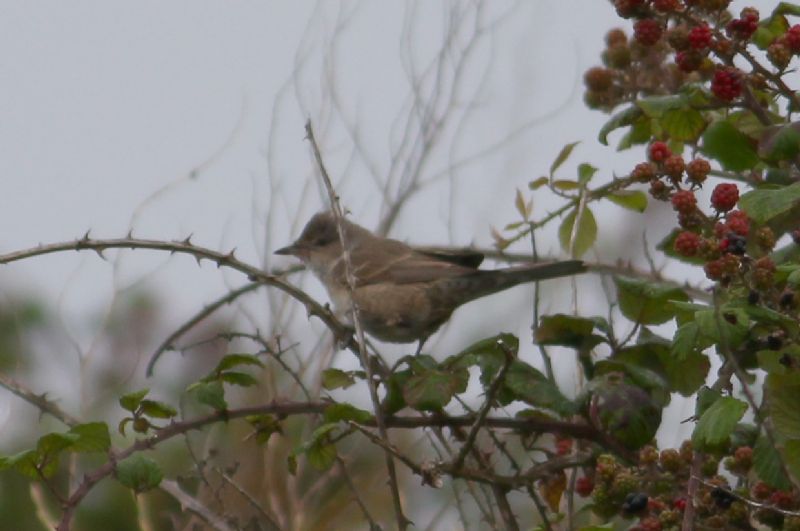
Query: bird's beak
x=290 y=250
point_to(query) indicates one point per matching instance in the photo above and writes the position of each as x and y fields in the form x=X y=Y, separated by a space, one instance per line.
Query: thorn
x=188 y=240
x=130 y=234
x=86 y=236
x=99 y=252
x=198 y=258
x=230 y=255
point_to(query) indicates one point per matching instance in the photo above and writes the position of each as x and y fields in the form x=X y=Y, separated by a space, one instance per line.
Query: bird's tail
x=482 y=283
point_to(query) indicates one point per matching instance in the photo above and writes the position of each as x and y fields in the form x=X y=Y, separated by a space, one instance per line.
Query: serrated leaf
x=732 y=148
x=635 y=200
x=92 y=437
x=779 y=143
x=767 y=464
x=340 y=412
x=762 y=205
x=337 y=379
x=621 y=119
x=159 y=410
x=783 y=399
x=657 y=106
x=791 y=455
x=562 y=156
x=241 y=379
x=568 y=331
x=131 y=401
x=139 y=473
x=209 y=393
x=718 y=422
x=683 y=125
x=583 y=238
x=645 y=301
x=433 y=389
x=234 y=360
x=526 y=383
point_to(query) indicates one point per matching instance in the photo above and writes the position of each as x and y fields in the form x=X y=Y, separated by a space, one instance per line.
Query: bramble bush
x=708 y=95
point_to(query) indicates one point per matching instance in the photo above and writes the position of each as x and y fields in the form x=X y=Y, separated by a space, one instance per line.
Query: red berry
x=744 y=26
x=725 y=196
x=679 y=503
x=659 y=151
x=647 y=31
x=697 y=170
x=584 y=486
x=792 y=38
x=684 y=201
x=687 y=243
x=644 y=172
x=727 y=84
x=700 y=37
x=563 y=446
x=628 y=8
x=782 y=499
x=738 y=222
x=714 y=269
x=665 y=6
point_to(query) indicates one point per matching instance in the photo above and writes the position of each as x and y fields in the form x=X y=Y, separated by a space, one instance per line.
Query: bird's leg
x=422 y=341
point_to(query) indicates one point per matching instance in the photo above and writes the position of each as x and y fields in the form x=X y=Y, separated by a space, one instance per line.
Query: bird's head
x=319 y=243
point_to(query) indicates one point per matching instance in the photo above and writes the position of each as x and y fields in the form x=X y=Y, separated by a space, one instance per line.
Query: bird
x=403 y=293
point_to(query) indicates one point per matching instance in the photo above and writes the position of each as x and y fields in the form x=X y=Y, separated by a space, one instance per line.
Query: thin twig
x=402 y=521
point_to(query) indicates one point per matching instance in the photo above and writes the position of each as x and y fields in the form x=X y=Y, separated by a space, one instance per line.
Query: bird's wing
x=462 y=257
x=395 y=262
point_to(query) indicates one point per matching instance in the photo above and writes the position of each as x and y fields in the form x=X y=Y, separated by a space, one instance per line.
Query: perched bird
x=403 y=293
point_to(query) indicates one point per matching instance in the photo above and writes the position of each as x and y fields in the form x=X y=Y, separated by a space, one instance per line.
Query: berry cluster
x=654 y=491
x=704 y=38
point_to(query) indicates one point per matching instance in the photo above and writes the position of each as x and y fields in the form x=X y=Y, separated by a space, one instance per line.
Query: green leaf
x=139 y=473
x=585 y=173
x=433 y=389
x=584 y=236
x=717 y=422
x=791 y=455
x=27 y=463
x=209 y=393
x=563 y=155
x=92 y=437
x=635 y=200
x=732 y=148
x=764 y=204
x=131 y=401
x=683 y=125
x=394 y=401
x=645 y=301
x=158 y=410
x=318 y=450
x=234 y=360
x=568 y=331
x=241 y=379
x=770 y=29
x=779 y=143
x=640 y=132
x=783 y=398
x=787 y=8
x=525 y=383
x=767 y=463
x=566 y=186
x=538 y=183
x=336 y=379
x=339 y=412
x=265 y=426
x=657 y=106
x=621 y=119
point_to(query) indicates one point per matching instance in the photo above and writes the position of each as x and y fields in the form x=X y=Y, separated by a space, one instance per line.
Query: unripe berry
x=714 y=269
x=689 y=60
x=727 y=84
x=697 y=170
x=687 y=243
x=615 y=37
x=665 y=6
x=684 y=201
x=700 y=37
x=779 y=54
x=658 y=151
x=629 y=8
x=678 y=38
x=598 y=79
x=617 y=56
x=761 y=491
x=659 y=190
x=744 y=26
x=673 y=167
x=643 y=172
x=724 y=197
x=765 y=238
x=647 y=31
